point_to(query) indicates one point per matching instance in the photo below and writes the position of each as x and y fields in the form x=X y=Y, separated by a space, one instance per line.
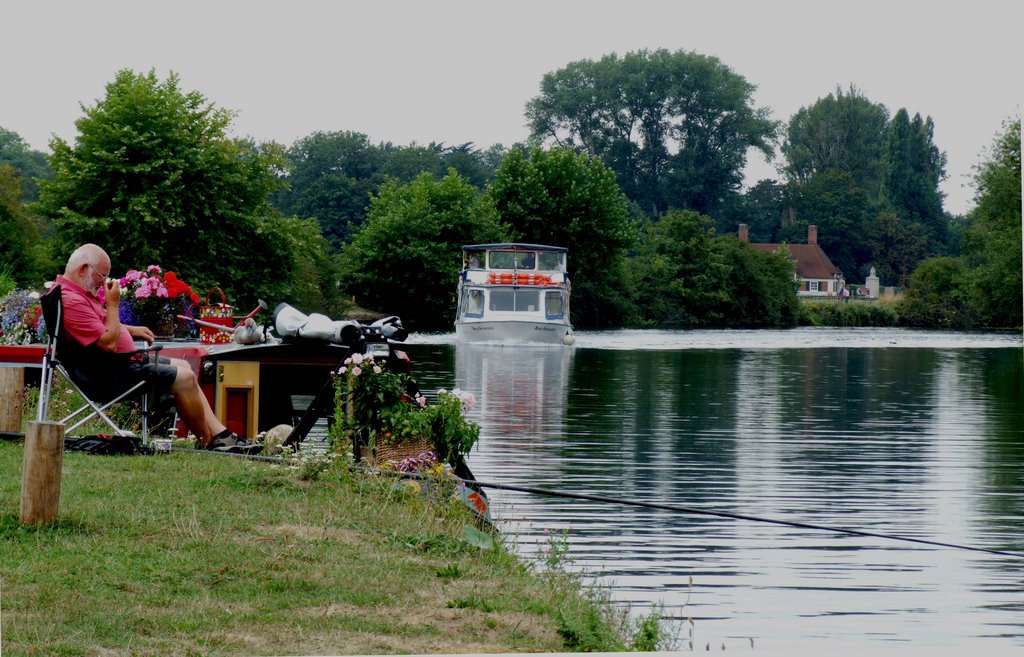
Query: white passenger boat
x=513 y=292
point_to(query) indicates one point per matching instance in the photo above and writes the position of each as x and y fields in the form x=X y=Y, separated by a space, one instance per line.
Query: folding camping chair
x=83 y=369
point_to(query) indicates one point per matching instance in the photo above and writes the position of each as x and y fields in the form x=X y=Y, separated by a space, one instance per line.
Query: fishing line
x=735 y=516
x=668 y=507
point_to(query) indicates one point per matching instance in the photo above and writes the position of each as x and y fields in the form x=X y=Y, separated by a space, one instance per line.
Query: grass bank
x=200 y=554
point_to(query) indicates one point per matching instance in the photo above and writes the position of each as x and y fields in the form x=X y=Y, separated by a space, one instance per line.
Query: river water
x=903 y=433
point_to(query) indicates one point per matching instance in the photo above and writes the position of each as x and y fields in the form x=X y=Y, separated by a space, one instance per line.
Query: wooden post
x=40 y=476
x=12 y=388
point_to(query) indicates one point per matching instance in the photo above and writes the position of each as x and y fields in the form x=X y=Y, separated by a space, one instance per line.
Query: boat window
x=553 y=308
x=527 y=301
x=515 y=300
x=501 y=259
x=473 y=303
x=551 y=262
x=512 y=260
x=502 y=300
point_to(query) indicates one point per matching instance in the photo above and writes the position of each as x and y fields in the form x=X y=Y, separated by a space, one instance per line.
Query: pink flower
x=357 y=358
x=131 y=276
x=356 y=371
x=377 y=369
x=343 y=368
x=143 y=292
x=153 y=269
x=421 y=400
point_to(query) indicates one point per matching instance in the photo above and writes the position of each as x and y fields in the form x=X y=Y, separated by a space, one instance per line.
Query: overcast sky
x=462 y=71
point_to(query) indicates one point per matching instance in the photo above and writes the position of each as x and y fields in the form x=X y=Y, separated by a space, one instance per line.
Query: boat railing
x=514 y=277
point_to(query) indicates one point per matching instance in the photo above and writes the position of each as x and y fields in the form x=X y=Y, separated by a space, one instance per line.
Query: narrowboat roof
x=514 y=246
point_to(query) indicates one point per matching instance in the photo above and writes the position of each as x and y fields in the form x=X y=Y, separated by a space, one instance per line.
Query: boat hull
x=512 y=331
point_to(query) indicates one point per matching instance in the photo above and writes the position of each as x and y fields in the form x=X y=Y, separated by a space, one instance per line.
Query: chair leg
x=145 y=418
x=97 y=410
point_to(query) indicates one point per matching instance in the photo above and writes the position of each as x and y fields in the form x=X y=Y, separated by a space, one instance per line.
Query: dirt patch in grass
x=295 y=532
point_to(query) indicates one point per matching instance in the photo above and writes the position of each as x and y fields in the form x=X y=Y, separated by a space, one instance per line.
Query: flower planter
x=381 y=454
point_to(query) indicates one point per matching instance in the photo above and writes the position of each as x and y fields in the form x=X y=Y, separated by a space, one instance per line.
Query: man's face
x=95 y=276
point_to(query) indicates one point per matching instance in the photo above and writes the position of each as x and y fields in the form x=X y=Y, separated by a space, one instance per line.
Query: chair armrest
x=151 y=354
x=145 y=350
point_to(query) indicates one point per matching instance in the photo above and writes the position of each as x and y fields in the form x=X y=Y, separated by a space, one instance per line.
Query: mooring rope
x=735 y=516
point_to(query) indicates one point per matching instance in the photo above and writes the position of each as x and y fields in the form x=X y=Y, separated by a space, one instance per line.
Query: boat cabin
x=513 y=291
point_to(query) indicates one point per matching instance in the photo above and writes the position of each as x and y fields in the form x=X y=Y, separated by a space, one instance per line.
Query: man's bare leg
x=192 y=405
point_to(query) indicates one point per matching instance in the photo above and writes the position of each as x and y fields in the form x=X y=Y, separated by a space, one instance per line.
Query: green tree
x=678 y=275
x=896 y=249
x=834 y=202
x=18 y=234
x=762 y=208
x=686 y=276
x=31 y=166
x=331 y=178
x=760 y=288
x=912 y=168
x=153 y=178
x=306 y=253
x=675 y=127
x=992 y=248
x=937 y=296
x=560 y=198
x=841 y=132
x=406 y=258
x=406 y=163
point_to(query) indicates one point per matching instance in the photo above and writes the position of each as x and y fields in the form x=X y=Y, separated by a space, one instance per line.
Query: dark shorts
x=161 y=374
x=104 y=380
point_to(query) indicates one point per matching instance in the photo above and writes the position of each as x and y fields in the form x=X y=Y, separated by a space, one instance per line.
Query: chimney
x=743 y=233
x=812 y=234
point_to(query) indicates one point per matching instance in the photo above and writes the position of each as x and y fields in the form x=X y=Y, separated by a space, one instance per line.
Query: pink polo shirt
x=85 y=316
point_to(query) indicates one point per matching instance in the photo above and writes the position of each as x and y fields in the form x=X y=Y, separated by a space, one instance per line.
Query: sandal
x=232 y=444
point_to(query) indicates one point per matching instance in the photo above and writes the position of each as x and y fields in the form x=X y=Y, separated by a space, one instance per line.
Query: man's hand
x=112 y=292
x=141 y=332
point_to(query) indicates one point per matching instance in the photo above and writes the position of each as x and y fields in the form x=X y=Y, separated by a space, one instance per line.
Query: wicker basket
x=382 y=454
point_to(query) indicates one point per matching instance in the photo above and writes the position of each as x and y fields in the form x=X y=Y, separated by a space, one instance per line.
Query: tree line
x=634 y=163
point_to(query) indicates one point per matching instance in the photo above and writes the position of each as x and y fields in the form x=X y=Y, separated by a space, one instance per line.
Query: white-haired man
x=96 y=327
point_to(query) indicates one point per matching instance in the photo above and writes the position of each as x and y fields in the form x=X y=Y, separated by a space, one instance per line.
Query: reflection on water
x=924 y=442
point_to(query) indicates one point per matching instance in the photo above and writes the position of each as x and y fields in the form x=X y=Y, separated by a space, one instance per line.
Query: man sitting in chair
x=93 y=325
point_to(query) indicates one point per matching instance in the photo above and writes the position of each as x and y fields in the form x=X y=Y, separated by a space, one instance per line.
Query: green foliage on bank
x=685 y=276
x=983 y=287
x=856 y=313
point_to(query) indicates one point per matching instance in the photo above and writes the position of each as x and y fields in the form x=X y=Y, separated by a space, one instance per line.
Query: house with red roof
x=817 y=276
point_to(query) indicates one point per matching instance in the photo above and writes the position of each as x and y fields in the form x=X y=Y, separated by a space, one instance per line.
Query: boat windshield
x=512 y=260
x=515 y=300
